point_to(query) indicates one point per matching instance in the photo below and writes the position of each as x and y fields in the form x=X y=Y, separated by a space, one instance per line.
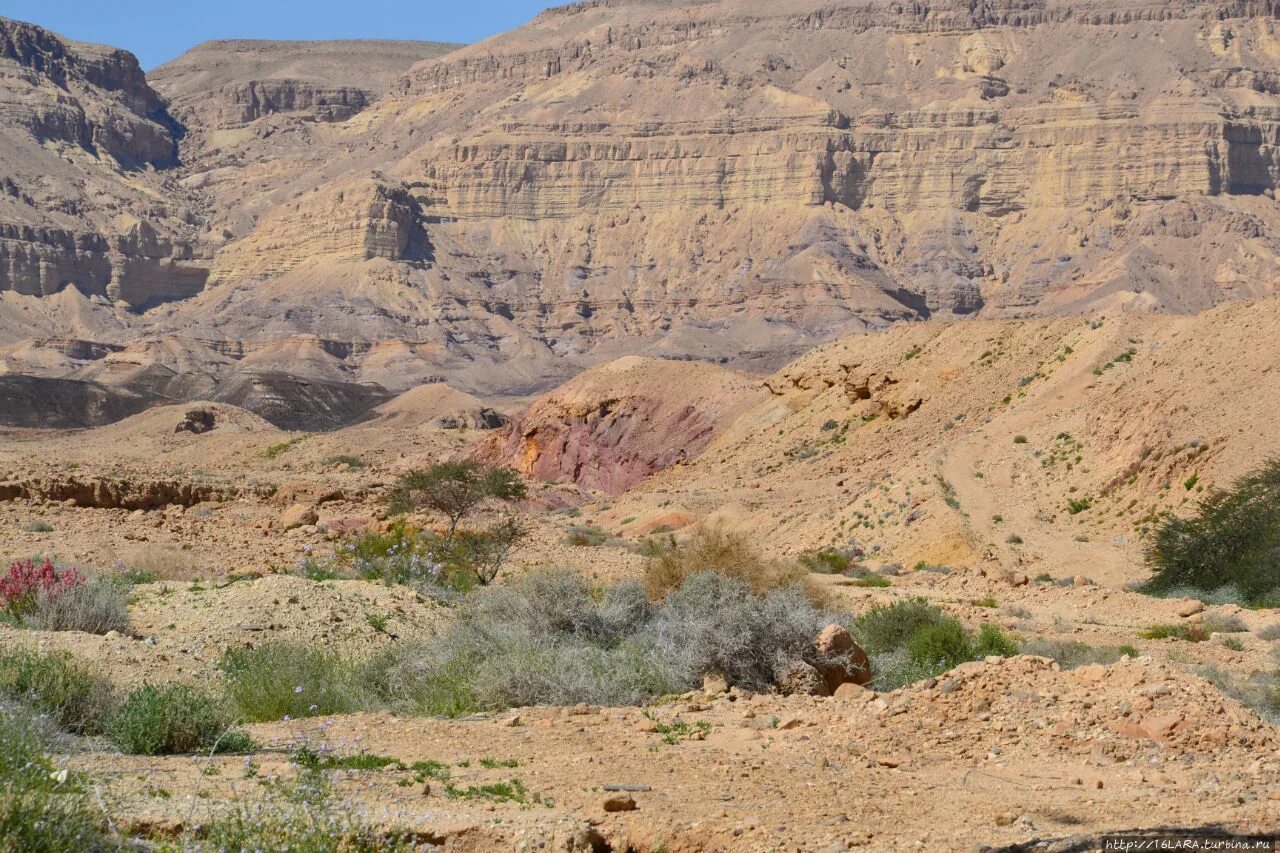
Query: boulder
x=801 y=679
x=297 y=515
x=846 y=661
x=196 y=421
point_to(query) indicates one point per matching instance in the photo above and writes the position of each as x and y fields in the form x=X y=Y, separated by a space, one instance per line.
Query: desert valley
x=660 y=427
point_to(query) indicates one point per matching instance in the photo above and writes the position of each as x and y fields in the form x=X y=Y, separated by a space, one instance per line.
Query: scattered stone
x=1191 y=608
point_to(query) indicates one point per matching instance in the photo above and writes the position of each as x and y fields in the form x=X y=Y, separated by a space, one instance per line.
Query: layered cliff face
x=83 y=140
x=617 y=177
x=731 y=181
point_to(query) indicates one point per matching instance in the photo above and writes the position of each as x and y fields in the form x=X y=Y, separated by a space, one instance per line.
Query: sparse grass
x=52 y=683
x=512 y=791
x=985 y=602
x=586 y=536
x=493 y=763
x=276 y=450
x=1071 y=653
x=43 y=808
x=297 y=816
x=1233 y=643
x=277 y=680
x=1190 y=633
x=312 y=760
x=173 y=719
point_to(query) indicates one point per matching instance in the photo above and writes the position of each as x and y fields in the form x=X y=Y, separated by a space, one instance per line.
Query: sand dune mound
x=435 y=405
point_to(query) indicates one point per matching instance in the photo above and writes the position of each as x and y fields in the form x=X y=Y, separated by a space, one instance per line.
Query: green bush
x=171 y=720
x=586 y=536
x=1190 y=633
x=1233 y=539
x=278 y=680
x=943 y=645
x=912 y=639
x=54 y=684
x=43 y=809
x=887 y=627
x=671 y=562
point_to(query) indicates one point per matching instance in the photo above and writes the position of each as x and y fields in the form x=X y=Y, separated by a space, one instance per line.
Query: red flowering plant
x=22 y=586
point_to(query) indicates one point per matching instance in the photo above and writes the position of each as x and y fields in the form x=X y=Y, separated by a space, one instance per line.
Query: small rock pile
x=1027 y=704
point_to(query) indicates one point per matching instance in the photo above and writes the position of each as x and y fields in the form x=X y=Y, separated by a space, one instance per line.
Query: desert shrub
x=716 y=623
x=551 y=639
x=912 y=639
x=887 y=627
x=173 y=719
x=1233 y=538
x=43 y=808
x=1260 y=692
x=26 y=581
x=1269 y=632
x=586 y=536
x=402 y=555
x=1072 y=653
x=1220 y=623
x=670 y=562
x=39 y=527
x=95 y=606
x=829 y=561
x=1190 y=633
x=277 y=680
x=52 y=683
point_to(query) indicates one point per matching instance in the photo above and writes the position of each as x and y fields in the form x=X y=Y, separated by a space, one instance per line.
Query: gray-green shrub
x=97 y=606
x=173 y=719
x=277 y=680
x=52 y=683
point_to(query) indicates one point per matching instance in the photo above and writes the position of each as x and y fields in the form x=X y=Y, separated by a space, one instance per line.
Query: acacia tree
x=456 y=490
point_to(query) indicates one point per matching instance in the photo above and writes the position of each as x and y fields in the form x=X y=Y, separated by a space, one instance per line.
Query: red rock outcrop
x=617 y=424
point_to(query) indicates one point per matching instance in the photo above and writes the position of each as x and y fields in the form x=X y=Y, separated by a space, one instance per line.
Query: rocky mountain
x=730 y=181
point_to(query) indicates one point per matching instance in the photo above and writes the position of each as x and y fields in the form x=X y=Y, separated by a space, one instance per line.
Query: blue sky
x=158 y=30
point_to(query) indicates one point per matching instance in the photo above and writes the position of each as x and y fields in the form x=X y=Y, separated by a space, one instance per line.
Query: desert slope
x=941 y=442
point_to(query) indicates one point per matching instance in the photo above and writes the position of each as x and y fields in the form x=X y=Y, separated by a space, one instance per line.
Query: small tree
x=455 y=490
x=1233 y=539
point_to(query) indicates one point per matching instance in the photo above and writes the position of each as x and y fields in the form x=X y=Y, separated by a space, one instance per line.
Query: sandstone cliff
x=731 y=181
